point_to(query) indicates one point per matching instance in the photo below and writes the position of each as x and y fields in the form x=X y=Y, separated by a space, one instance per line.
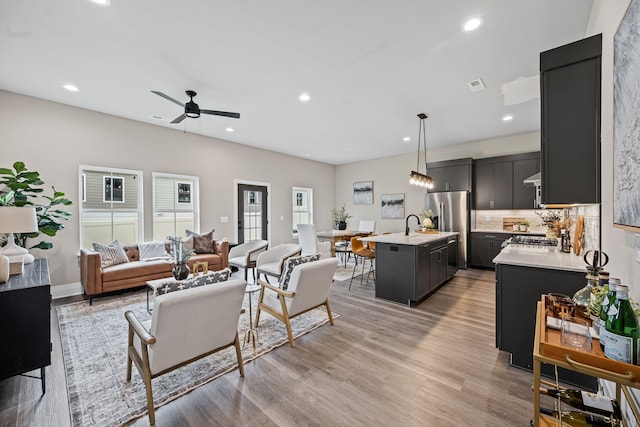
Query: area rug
x=94 y=342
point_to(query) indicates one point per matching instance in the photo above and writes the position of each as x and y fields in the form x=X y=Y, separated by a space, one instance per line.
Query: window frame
x=295 y=208
x=193 y=181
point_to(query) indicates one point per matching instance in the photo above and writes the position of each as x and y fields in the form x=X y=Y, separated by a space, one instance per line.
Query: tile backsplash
x=499 y=220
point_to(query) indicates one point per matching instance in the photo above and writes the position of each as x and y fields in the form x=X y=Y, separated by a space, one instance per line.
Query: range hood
x=533 y=180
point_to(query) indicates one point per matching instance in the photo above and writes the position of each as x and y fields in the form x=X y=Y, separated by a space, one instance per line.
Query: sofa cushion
x=152 y=250
x=291 y=264
x=206 y=279
x=202 y=243
x=136 y=269
x=111 y=254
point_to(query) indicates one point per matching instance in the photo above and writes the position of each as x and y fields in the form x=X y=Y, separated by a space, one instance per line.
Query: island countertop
x=553 y=259
x=414 y=238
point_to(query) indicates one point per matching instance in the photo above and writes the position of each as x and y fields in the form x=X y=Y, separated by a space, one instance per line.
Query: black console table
x=25 y=334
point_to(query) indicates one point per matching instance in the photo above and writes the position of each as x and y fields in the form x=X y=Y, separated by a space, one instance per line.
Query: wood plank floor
x=382 y=364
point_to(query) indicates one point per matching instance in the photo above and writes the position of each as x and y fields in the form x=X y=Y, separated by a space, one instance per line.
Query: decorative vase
x=342 y=225
x=181 y=271
x=4 y=268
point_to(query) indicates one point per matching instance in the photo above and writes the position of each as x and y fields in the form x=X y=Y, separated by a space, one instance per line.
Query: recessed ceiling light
x=406 y=139
x=507 y=118
x=304 y=97
x=102 y=2
x=156 y=117
x=71 y=88
x=229 y=130
x=306 y=154
x=472 y=24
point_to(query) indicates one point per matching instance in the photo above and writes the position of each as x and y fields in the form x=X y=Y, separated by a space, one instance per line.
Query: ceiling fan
x=192 y=110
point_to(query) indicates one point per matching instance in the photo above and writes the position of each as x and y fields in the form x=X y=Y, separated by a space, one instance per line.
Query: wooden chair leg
x=285 y=317
x=239 y=355
x=326 y=303
x=129 y=346
x=146 y=377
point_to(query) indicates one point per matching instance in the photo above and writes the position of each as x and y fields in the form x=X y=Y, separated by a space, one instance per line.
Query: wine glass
x=575 y=333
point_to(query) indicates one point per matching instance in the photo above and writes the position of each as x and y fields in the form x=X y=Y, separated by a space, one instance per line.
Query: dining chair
x=308 y=240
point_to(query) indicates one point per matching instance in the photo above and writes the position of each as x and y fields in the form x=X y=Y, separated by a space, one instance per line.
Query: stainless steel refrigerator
x=454 y=213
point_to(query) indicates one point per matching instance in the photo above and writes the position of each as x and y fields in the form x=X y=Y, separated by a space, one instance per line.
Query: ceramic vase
x=4 y=268
x=342 y=225
x=181 y=271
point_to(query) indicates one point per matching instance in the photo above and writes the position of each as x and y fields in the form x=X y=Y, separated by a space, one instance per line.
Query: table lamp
x=16 y=220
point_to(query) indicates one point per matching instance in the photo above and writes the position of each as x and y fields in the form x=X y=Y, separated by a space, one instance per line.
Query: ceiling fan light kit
x=416 y=178
x=191 y=109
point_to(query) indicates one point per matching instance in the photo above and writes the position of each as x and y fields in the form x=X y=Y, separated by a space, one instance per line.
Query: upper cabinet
x=570 y=100
x=498 y=182
x=450 y=175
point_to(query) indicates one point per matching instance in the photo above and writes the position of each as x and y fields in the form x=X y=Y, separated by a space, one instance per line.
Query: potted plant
x=19 y=187
x=551 y=219
x=524 y=225
x=340 y=217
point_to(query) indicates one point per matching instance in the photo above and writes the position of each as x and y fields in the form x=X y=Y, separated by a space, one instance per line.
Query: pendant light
x=417 y=178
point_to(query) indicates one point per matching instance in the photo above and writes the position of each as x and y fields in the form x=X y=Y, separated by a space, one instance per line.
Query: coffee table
x=154 y=285
x=252 y=333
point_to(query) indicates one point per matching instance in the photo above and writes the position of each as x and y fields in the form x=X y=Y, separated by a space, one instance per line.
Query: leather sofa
x=97 y=280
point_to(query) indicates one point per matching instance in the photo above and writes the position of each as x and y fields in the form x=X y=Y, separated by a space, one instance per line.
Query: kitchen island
x=408 y=268
x=522 y=276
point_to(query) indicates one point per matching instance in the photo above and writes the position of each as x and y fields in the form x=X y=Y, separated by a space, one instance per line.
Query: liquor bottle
x=622 y=329
x=563 y=240
x=604 y=309
x=586 y=401
x=580 y=419
x=582 y=298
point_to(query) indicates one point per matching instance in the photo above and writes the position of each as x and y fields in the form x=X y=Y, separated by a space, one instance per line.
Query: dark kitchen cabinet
x=25 y=336
x=438 y=260
x=518 y=289
x=570 y=99
x=524 y=197
x=493 y=183
x=485 y=247
x=450 y=175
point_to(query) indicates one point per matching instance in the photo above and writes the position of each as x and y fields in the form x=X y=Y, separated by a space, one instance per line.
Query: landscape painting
x=363 y=193
x=392 y=206
x=626 y=121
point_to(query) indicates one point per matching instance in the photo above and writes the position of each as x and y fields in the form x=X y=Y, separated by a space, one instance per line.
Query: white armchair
x=308 y=288
x=271 y=262
x=186 y=325
x=246 y=254
x=308 y=240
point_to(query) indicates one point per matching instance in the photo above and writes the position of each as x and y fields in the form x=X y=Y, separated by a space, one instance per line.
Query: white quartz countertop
x=554 y=259
x=413 y=238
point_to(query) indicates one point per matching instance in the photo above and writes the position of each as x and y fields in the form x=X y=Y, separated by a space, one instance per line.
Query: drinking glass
x=575 y=333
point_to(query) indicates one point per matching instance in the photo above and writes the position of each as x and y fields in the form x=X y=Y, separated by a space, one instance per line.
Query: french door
x=252 y=212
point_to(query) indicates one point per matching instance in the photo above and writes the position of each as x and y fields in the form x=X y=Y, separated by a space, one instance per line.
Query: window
x=175 y=205
x=302 y=207
x=111 y=207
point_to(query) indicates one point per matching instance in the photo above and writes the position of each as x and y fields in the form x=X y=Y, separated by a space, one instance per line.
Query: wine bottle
x=607 y=301
x=586 y=401
x=580 y=419
x=622 y=329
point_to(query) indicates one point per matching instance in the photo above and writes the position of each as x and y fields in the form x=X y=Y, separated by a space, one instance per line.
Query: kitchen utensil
x=577 y=239
x=595 y=260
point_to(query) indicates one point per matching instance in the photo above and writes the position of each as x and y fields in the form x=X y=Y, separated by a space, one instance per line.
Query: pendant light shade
x=417 y=178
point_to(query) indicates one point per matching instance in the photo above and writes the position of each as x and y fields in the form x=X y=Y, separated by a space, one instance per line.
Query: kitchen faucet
x=406 y=223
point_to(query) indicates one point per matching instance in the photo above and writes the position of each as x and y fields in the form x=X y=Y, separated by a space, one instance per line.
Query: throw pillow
x=207 y=279
x=291 y=264
x=111 y=254
x=152 y=250
x=202 y=243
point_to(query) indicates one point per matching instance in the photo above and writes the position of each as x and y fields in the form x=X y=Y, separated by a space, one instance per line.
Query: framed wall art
x=363 y=193
x=626 y=125
x=392 y=206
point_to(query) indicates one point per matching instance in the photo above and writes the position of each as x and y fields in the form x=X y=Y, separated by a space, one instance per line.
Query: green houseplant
x=340 y=217
x=21 y=187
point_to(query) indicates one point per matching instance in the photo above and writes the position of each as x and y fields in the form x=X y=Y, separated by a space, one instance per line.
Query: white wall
x=391 y=175
x=54 y=139
x=618 y=244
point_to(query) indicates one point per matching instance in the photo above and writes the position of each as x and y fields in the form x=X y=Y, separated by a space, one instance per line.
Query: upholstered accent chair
x=308 y=288
x=271 y=262
x=186 y=326
x=246 y=254
x=308 y=240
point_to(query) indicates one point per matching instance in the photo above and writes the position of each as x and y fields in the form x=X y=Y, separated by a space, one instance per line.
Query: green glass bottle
x=622 y=329
x=580 y=419
x=606 y=302
x=586 y=401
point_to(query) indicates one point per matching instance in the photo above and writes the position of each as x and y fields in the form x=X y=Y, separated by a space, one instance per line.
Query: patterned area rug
x=94 y=342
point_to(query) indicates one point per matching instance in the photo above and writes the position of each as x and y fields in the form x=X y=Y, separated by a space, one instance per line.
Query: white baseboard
x=68 y=290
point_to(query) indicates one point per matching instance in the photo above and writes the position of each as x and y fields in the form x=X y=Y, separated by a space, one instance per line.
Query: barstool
x=360 y=250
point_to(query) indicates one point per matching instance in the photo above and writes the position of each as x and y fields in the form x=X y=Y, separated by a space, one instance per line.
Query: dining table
x=335 y=236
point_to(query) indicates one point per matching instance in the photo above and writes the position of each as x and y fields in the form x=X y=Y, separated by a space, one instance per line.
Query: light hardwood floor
x=382 y=364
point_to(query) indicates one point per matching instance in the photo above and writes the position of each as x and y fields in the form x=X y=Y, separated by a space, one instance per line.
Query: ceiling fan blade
x=221 y=113
x=178 y=119
x=168 y=98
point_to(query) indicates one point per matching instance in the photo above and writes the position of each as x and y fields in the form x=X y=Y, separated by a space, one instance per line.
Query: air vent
x=476 y=85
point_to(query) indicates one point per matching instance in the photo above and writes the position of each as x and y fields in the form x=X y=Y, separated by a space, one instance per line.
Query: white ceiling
x=369 y=66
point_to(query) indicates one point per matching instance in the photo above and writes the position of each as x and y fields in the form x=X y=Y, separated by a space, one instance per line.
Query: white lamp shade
x=18 y=219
